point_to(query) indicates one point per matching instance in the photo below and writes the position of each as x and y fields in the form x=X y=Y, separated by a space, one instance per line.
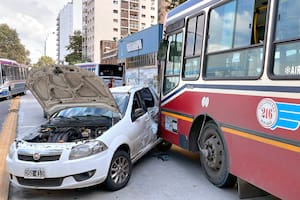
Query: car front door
x=139 y=125
x=150 y=107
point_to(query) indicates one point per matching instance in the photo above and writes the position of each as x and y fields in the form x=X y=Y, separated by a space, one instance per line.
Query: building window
x=115 y=29
x=115 y=20
x=143 y=15
x=115 y=1
x=144 y=7
x=115 y=11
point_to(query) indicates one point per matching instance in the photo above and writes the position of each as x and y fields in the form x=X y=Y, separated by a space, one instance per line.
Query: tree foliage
x=44 y=61
x=11 y=47
x=173 y=3
x=75 y=48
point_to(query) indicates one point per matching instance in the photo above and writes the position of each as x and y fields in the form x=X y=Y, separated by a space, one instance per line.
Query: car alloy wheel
x=119 y=171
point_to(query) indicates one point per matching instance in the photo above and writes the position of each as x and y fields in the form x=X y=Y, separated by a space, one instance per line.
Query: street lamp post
x=45 y=43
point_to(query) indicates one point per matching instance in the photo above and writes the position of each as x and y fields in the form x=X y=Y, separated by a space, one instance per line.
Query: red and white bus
x=230 y=72
x=12 y=78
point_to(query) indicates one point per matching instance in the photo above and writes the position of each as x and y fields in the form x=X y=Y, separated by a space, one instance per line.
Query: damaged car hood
x=59 y=87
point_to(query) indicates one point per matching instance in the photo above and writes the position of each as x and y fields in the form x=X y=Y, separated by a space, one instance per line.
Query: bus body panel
x=274 y=169
x=245 y=77
x=256 y=154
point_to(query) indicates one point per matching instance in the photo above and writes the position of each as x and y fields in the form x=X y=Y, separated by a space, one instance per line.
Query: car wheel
x=164 y=146
x=119 y=171
x=214 y=157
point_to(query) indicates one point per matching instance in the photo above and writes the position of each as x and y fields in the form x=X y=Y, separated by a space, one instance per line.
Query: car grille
x=47 y=182
x=42 y=158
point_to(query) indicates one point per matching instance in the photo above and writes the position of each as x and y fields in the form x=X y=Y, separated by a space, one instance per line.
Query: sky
x=35 y=23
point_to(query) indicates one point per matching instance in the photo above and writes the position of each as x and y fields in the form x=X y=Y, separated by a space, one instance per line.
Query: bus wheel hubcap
x=214 y=149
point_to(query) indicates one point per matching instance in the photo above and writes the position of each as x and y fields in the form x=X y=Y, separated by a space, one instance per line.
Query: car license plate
x=34 y=173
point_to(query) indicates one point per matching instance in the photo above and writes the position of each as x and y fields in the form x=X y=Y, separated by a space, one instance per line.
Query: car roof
x=126 y=89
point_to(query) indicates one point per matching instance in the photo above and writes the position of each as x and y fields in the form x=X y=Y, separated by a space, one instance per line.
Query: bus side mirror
x=162 y=51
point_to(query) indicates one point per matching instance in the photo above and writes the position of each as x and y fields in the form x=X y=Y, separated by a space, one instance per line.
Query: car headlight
x=87 y=149
x=12 y=151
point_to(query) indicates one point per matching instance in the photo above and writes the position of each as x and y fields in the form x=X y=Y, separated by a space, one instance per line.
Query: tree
x=75 y=47
x=11 y=47
x=44 y=61
x=173 y=3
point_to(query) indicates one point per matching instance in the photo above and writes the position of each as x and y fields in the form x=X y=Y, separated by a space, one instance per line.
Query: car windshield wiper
x=62 y=117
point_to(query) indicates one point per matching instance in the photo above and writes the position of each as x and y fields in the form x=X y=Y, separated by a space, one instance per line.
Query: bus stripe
x=262 y=140
x=189 y=119
x=261 y=88
x=260 y=137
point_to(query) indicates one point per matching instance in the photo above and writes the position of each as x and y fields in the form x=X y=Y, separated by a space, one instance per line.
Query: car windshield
x=120 y=98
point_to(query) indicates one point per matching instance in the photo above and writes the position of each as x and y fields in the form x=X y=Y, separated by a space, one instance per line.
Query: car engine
x=54 y=134
x=69 y=134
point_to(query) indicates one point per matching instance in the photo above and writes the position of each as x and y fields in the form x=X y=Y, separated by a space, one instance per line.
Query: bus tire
x=164 y=146
x=214 y=156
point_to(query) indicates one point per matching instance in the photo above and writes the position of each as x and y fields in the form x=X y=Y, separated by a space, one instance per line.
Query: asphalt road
x=174 y=175
x=4 y=106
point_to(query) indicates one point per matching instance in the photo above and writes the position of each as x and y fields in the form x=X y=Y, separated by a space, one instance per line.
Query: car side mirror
x=138 y=112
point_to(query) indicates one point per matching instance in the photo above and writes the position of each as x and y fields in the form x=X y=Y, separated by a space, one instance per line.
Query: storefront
x=138 y=52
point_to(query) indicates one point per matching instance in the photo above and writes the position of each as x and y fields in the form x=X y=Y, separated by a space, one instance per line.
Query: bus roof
x=86 y=64
x=8 y=61
x=189 y=7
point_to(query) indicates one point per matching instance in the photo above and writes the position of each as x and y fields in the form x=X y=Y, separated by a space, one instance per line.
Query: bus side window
x=172 y=70
x=3 y=74
x=235 y=29
x=193 y=48
x=259 y=22
x=286 y=58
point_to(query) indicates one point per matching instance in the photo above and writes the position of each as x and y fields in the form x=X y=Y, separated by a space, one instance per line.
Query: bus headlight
x=87 y=149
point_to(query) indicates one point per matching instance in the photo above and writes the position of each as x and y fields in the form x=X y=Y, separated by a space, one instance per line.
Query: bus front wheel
x=214 y=158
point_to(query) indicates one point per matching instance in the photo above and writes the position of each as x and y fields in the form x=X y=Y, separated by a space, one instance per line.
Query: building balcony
x=134 y=8
x=134 y=17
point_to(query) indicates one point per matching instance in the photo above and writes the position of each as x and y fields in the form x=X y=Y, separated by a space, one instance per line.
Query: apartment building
x=69 y=20
x=111 y=20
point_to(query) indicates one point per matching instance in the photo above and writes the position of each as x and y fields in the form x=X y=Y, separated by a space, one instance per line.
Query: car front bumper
x=61 y=174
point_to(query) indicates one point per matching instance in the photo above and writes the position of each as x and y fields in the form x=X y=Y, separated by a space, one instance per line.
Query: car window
x=135 y=105
x=147 y=98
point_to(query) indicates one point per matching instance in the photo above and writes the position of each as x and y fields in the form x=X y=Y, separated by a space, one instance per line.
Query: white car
x=93 y=135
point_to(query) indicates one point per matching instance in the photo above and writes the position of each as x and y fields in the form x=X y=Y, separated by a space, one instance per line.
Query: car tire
x=214 y=157
x=164 y=146
x=119 y=171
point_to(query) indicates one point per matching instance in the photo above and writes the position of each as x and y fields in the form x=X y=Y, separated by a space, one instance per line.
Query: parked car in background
x=93 y=134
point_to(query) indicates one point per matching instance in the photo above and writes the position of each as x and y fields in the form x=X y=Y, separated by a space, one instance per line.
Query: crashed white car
x=93 y=135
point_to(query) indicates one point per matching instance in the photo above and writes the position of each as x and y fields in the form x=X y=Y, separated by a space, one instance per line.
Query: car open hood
x=59 y=87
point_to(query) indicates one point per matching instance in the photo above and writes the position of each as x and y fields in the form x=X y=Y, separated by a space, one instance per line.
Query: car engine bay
x=60 y=131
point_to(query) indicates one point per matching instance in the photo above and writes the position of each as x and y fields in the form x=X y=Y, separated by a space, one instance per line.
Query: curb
x=7 y=136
